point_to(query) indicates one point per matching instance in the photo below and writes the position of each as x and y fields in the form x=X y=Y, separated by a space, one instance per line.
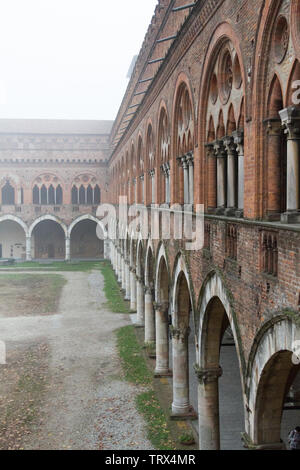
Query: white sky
x=68 y=59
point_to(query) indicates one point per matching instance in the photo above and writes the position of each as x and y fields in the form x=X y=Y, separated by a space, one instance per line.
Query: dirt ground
x=62 y=386
x=27 y=295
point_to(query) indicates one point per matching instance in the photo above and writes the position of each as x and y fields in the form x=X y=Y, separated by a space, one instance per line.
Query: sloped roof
x=54 y=126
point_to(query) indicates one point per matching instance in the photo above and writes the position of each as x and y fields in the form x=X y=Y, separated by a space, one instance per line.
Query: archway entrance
x=12 y=240
x=85 y=243
x=48 y=239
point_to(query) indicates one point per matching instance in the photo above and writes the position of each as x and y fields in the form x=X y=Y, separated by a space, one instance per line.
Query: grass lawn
x=29 y=294
x=64 y=266
x=115 y=300
x=136 y=371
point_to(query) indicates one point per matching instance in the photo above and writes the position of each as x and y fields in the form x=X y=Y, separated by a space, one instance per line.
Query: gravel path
x=88 y=405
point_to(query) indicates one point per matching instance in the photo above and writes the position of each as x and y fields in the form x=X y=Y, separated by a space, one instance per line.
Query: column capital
x=207 y=375
x=238 y=138
x=229 y=145
x=181 y=333
x=220 y=151
x=290 y=119
x=132 y=270
x=210 y=148
x=190 y=158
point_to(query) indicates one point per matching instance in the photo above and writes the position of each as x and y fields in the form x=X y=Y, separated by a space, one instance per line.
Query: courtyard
x=63 y=386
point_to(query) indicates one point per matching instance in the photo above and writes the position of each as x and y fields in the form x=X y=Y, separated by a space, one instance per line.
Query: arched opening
x=75 y=195
x=85 y=243
x=278 y=400
x=8 y=194
x=140 y=271
x=183 y=193
x=162 y=322
x=149 y=299
x=276 y=167
x=185 y=400
x=48 y=240
x=221 y=408
x=12 y=240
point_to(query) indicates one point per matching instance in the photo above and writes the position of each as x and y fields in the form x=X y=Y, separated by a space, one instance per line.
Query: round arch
x=148 y=267
x=48 y=217
x=19 y=221
x=86 y=217
x=274 y=345
x=180 y=271
x=214 y=288
x=161 y=258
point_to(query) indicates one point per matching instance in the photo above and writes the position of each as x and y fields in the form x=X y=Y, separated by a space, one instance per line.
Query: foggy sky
x=68 y=59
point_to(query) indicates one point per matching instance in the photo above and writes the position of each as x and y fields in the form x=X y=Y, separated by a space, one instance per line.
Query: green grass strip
x=137 y=372
x=134 y=364
x=157 y=426
x=112 y=290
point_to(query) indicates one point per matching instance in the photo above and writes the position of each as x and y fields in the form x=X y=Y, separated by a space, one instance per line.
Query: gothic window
x=74 y=195
x=59 y=195
x=36 y=195
x=8 y=194
x=89 y=195
x=97 y=195
x=82 y=199
x=51 y=195
x=44 y=195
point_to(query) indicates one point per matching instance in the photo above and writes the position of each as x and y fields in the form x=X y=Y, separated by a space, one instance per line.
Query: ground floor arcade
x=232 y=402
x=49 y=238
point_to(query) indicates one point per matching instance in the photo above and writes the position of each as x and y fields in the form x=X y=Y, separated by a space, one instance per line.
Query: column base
x=230 y=212
x=139 y=325
x=239 y=213
x=220 y=211
x=162 y=374
x=290 y=218
x=188 y=415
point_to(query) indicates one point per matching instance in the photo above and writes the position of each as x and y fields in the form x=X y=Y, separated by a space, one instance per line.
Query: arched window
x=44 y=195
x=59 y=195
x=8 y=194
x=82 y=199
x=35 y=195
x=74 y=195
x=89 y=195
x=51 y=195
x=97 y=195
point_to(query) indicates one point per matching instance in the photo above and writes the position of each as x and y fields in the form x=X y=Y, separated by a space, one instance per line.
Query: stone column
x=119 y=272
x=181 y=400
x=28 y=249
x=211 y=177
x=152 y=175
x=68 y=249
x=231 y=175
x=190 y=162
x=168 y=188
x=132 y=290
x=140 y=307
x=208 y=402
x=162 y=339
x=238 y=137
x=123 y=273
x=221 y=174
x=149 y=316
x=290 y=118
x=127 y=280
x=186 y=180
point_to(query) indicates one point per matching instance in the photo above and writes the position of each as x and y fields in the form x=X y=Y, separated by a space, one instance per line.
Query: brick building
x=211 y=117
x=53 y=175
